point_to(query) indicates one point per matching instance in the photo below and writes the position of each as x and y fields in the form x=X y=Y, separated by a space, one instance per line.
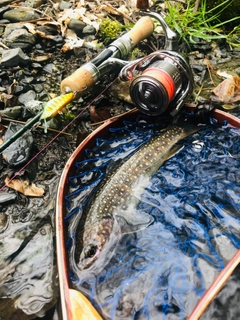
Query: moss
x=109 y=30
x=136 y=54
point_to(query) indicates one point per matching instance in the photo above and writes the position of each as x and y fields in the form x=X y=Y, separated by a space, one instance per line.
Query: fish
x=112 y=212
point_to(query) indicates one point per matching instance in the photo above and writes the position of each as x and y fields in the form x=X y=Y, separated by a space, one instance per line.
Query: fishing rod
x=87 y=75
x=160 y=82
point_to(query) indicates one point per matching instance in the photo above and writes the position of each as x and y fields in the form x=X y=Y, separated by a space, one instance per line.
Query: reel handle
x=85 y=77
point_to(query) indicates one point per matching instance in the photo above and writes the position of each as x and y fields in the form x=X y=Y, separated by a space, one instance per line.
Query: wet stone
x=14 y=57
x=26 y=97
x=21 y=14
x=34 y=106
x=6 y=197
x=2 y=89
x=38 y=88
x=65 y=5
x=89 y=30
x=13 y=112
x=4 y=21
x=50 y=67
x=77 y=26
x=2 y=10
x=19 y=38
x=18 y=89
x=48 y=30
x=19 y=151
x=33 y=3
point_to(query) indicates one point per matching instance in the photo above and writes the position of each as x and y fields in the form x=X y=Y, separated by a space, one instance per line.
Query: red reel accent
x=164 y=78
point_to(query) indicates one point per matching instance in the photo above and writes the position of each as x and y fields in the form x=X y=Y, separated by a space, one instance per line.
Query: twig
x=199 y=91
x=197 y=4
x=121 y=13
x=3 y=45
x=209 y=71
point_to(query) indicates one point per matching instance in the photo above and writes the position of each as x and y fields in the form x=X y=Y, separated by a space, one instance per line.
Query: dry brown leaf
x=24 y=187
x=228 y=90
x=109 y=9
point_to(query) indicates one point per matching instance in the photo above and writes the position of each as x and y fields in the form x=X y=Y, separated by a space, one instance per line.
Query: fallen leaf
x=31 y=28
x=8 y=100
x=99 y=114
x=71 y=43
x=109 y=9
x=24 y=187
x=228 y=90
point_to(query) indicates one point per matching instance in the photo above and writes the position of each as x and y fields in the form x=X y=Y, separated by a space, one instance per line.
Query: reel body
x=160 y=82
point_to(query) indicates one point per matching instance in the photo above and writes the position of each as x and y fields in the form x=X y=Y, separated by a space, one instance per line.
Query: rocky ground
x=42 y=42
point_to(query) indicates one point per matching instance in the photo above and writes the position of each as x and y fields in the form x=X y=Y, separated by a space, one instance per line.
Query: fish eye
x=90 y=251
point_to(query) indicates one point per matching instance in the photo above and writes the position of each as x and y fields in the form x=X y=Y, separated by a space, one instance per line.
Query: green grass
x=203 y=24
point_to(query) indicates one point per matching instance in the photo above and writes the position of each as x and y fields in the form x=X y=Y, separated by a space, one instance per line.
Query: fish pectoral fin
x=133 y=221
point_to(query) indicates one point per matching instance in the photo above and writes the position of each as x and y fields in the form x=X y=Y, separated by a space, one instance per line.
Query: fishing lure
x=54 y=106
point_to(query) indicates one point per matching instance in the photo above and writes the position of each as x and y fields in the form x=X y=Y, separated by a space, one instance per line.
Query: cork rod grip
x=79 y=81
x=82 y=79
x=141 y=30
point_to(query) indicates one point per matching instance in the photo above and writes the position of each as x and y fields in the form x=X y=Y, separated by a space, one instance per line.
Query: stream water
x=162 y=271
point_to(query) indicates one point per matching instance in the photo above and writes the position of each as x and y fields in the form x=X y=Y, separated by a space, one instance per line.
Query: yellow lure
x=55 y=105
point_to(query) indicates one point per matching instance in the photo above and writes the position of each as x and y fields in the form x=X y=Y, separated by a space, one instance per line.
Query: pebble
x=65 y=5
x=6 y=197
x=14 y=57
x=34 y=106
x=15 y=35
x=77 y=26
x=33 y=3
x=27 y=96
x=19 y=151
x=21 y=14
x=89 y=30
x=13 y=112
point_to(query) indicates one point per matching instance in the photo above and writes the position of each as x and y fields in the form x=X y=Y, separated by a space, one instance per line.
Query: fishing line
x=59 y=133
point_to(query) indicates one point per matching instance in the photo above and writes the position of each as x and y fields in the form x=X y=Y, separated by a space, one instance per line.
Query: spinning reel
x=162 y=81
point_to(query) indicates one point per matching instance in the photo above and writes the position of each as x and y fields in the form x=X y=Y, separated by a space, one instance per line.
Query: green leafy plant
x=233 y=38
x=201 y=24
